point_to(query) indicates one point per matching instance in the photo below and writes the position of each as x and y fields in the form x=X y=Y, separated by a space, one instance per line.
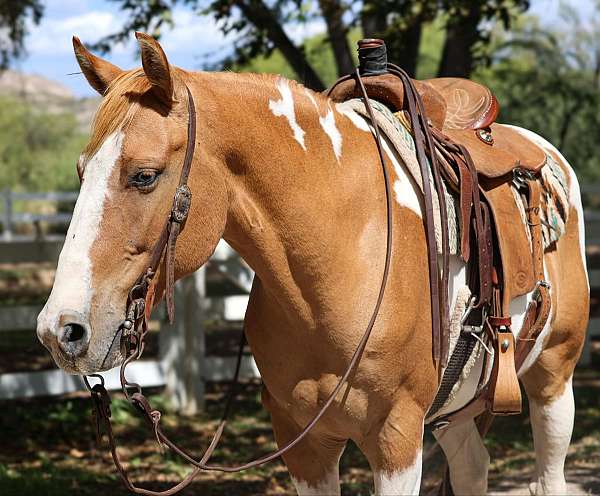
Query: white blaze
x=72 y=288
x=285 y=108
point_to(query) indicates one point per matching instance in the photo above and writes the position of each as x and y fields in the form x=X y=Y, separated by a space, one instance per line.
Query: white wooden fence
x=182 y=365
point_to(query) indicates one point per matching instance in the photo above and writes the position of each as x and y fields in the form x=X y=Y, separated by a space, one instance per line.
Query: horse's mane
x=123 y=99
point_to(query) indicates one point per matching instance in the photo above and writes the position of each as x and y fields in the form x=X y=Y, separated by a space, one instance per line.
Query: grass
x=47 y=448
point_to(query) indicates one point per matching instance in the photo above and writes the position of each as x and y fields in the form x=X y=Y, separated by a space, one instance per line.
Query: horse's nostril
x=74 y=339
x=73 y=333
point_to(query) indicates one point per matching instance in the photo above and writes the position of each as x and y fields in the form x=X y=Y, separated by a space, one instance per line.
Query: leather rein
x=133 y=330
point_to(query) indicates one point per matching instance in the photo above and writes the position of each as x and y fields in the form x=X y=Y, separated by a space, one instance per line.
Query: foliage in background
x=260 y=27
x=38 y=151
x=549 y=81
x=13 y=26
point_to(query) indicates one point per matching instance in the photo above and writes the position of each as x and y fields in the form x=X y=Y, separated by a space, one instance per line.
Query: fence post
x=182 y=346
x=7 y=220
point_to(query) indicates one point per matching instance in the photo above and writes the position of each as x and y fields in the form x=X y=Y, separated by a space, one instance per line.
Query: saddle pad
x=555 y=202
x=404 y=144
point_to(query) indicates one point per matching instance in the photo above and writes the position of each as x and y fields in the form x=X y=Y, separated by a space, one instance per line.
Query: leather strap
x=424 y=145
x=538 y=310
x=536 y=316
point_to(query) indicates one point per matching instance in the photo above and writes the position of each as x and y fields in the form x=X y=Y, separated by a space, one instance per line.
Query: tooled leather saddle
x=483 y=163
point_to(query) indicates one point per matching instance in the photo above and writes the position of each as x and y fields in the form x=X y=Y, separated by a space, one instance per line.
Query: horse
x=292 y=181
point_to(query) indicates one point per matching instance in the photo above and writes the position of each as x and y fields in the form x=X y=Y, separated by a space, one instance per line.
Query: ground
x=48 y=448
x=47 y=445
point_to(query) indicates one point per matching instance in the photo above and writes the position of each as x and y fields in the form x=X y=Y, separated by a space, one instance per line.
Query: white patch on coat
x=285 y=108
x=329 y=486
x=404 y=482
x=331 y=130
x=72 y=289
x=311 y=97
x=328 y=125
x=552 y=426
x=467 y=457
x=358 y=120
x=405 y=188
x=457 y=278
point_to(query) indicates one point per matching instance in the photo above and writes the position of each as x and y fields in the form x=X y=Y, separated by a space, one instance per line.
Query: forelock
x=118 y=108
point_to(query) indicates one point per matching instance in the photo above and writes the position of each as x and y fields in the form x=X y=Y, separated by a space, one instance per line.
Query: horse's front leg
x=467 y=456
x=394 y=452
x=313 y=463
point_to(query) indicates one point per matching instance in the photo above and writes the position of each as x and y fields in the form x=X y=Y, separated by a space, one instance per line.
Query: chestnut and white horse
x=292 y=181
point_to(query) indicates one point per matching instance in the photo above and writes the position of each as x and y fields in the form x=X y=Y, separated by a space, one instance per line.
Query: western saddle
x=483 y=163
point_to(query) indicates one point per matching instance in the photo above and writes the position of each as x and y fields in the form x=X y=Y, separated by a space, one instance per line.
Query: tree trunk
x=333 y=12
x=373 y=21
x=403 y=47
x=461 y=34
x=259 y=14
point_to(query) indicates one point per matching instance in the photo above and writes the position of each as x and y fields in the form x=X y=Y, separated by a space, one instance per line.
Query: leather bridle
x=134 y=327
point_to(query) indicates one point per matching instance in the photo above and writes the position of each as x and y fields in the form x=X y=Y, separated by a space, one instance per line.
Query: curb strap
x=135 y=330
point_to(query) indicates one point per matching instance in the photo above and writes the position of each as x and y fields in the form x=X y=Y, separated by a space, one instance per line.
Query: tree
x=468 y=27
x=38 y=151
x=549 y=81
x=13 y=17
x=259 y=26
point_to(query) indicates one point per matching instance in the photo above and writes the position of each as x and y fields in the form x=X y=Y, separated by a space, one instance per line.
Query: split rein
x=133 y=330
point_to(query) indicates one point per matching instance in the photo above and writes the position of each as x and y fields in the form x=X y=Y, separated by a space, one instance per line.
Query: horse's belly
x=467 y=385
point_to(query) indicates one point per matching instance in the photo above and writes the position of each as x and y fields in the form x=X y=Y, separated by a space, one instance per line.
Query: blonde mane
x=122 y=99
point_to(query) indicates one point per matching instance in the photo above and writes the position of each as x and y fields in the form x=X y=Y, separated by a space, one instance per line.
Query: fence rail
x=193 y=300
x=10 y=217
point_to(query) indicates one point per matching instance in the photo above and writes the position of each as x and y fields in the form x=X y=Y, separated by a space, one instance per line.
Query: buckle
x=181 y=204
x=540 y=284
x=101 y=412
x=469 y=328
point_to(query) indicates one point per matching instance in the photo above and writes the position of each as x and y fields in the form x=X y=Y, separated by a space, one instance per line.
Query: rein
x=134 y=328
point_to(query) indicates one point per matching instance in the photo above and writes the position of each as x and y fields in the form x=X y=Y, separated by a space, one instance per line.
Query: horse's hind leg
x=552 y=425
x=548 y=382
x=467 y=457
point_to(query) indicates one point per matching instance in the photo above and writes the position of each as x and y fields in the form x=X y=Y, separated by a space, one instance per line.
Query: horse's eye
x=144 y=179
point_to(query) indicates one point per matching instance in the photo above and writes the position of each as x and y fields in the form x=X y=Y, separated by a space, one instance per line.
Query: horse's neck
x=304 y=208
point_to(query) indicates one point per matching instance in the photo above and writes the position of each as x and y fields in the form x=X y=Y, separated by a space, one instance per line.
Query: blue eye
x=144 y=178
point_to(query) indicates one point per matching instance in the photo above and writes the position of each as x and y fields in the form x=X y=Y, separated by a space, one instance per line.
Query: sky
x=188 y=45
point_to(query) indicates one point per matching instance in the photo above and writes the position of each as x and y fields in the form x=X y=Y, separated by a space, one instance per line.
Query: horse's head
x=130 y=170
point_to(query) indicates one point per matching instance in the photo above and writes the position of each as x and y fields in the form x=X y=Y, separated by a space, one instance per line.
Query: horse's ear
x=97 y=71
x=156 y=66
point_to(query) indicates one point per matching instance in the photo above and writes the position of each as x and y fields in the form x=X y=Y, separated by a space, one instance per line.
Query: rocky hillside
x=48 y=95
